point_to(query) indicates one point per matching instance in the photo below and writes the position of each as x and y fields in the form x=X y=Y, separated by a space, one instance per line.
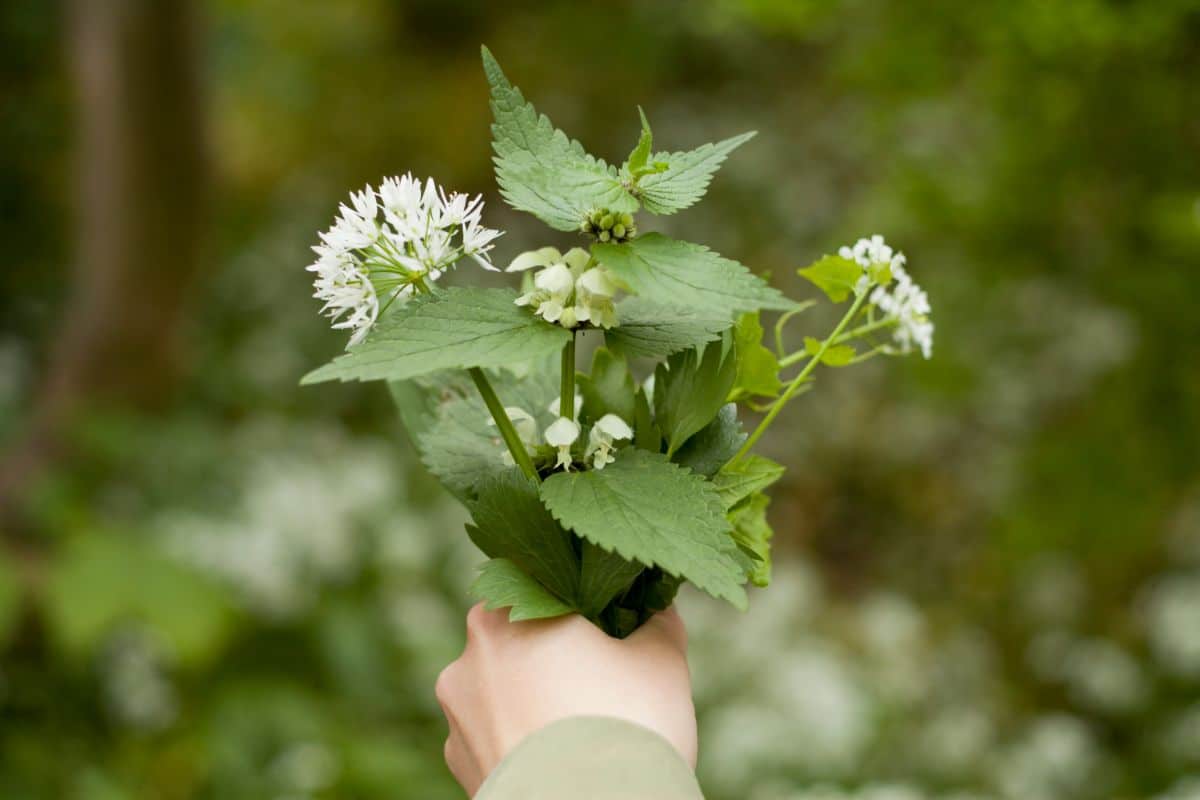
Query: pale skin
x=514 y=678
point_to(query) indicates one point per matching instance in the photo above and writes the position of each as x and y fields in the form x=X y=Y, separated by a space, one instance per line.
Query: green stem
x=566 y=397
x=796 y=382
x=853 y=333
x=504 y=424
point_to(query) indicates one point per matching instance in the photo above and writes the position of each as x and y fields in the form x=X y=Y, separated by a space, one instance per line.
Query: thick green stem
x=566 y=397
x=796 y=382
x=504 y=424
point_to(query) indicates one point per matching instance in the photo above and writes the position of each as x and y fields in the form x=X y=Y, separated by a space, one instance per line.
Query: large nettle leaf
x=457 y=328
x=539 y=168
x=690 y=388
x=502 y=584
x=512 y=523
x=450 y=425
x=686 y=176
x=677 y=273
x=647 y=509
x=652 y=330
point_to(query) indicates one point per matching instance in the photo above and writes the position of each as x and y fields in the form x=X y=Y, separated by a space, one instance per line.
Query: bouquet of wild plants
x=597 y=491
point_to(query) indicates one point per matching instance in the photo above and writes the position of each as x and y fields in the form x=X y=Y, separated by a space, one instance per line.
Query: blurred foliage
x=989 y=576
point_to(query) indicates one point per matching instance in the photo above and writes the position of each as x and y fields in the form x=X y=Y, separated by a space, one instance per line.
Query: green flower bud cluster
x=609 y=226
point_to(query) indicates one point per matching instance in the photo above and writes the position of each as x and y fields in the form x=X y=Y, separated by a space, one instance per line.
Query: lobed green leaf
x=686 y=177
x=502 y=584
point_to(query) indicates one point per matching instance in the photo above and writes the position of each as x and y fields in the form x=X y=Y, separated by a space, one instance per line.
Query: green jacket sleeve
x=592 y=758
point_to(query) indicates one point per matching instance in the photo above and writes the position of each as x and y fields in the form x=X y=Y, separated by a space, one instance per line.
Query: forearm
x=592 y=758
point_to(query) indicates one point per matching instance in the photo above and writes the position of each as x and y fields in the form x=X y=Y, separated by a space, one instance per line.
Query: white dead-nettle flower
x=423 y=233
x=526 y=427
x=906 y=303
x=555 y=406
x=568 y=288
x=561 y=434
x=608 y=430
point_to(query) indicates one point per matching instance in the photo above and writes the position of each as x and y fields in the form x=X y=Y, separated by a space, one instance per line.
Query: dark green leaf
x=460 y=327
x=651 y=330
x=502 y=584
x=677 y=273
x=690 y=388
x=609 y=389
x=512 y=523
x=605 y=575
x=714 y=444
x=647 y=509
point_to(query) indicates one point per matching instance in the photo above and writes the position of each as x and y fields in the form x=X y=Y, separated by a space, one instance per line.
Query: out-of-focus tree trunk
x=140 y=172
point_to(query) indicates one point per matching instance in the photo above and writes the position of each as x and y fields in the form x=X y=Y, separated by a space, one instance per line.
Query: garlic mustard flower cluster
x=569 y=289
x=423 y=233
x=905 y=303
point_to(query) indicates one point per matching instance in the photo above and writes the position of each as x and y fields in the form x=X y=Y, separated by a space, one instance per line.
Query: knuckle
x=477 y=619
x=443 y=688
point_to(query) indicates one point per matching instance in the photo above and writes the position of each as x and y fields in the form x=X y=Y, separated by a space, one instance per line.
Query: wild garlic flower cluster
x=904 y=302
x=564 y=432
x=569 y=289
x=423 y=233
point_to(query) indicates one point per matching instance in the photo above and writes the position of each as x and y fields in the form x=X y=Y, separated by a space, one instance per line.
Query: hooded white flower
x=565 y=290
x=554 y=406
x=526 y=427
x=423 y=233
x=608 y=430
x=593 y=298
x=561 y=434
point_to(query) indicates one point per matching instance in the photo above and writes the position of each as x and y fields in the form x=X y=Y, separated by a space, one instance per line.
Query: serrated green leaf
x=451 y=428
x=512 y=523
x=502 y=584
x=641 y=153
x=690 y=388
x=460 y=327
x=605 y=575
x=676 y=273
x=834 y=275
x=758 y=368
x=753 y=533
x=647 y=509
x=646 y=434
x=686 y=178
x=609 y=388
x=836 y=355
x=539 y=168
x=652 y=330
x=737 y=481
x=714 y=444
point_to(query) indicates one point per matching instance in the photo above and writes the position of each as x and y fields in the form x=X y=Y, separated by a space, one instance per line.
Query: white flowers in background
x=568 y=289
x=870 y=253
x=561 y=434
x=136 y=687
x=1173 y=622
x=608 y=430
x=424 y=232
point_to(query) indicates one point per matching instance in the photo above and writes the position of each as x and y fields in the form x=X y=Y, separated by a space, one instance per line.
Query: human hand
x=515 y=678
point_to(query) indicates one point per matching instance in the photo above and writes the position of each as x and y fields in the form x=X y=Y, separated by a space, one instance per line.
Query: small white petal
x=535 y=258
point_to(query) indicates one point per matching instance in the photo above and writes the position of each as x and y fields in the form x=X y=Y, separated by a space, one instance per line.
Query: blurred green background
x=214 y=584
